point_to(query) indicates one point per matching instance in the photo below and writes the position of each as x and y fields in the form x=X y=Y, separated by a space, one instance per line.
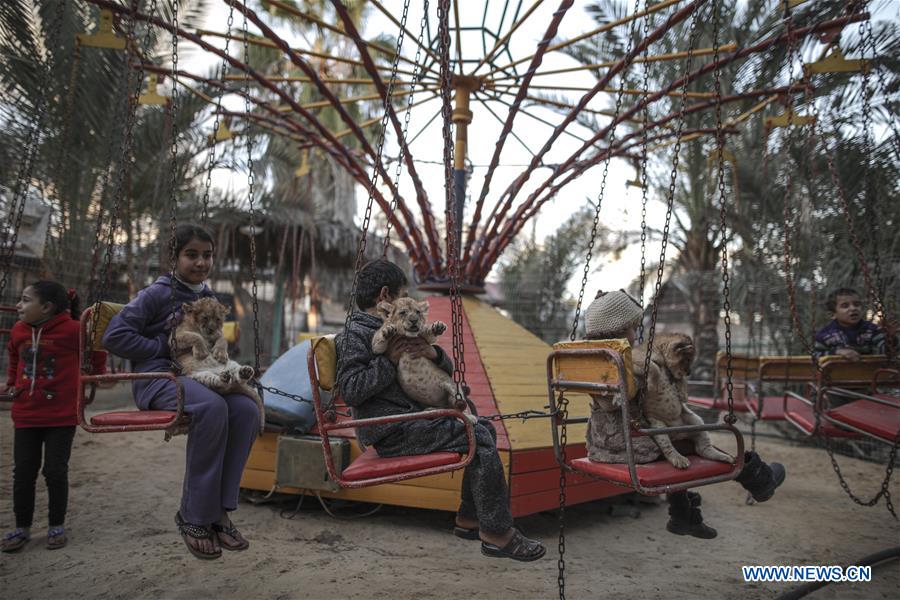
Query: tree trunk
x=705 y=322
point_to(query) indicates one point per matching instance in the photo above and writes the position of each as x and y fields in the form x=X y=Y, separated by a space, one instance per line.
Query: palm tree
x=696 y=235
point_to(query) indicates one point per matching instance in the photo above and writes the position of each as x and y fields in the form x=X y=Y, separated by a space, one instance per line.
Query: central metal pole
x=461 y=117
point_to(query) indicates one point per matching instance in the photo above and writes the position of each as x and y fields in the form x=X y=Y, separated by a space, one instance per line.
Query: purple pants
x=222 y=431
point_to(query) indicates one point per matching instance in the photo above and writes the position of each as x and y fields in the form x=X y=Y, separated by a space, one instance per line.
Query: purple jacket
x=140 y=332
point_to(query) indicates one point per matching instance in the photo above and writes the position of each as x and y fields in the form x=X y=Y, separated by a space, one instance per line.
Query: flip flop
x=232 y=532
x=198 y=532
x=56 y=538
x=519 y=547
x=15 y=540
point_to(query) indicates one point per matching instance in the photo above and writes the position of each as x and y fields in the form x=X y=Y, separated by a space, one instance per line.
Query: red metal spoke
x=521 y=94
x=491 y=252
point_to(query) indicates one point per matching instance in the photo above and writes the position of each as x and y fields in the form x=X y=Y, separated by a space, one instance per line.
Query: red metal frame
x=324 y=426
x=823 y=386
x=87 y=379
x=554 y=385
x=7 y=309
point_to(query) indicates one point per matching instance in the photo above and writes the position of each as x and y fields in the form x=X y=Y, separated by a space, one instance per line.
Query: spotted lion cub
x=203 y=352
x=665 y=403
x=420 y=378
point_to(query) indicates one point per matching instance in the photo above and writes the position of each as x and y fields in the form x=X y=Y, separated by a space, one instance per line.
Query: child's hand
x=415 y=347
x=848 y=353
x=8 y=393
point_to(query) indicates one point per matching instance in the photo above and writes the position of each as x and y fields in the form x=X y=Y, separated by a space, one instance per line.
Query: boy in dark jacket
x=849 y=334
x=368 y=383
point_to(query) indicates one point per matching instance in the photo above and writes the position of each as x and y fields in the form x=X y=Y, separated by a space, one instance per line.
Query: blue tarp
x=290 y=374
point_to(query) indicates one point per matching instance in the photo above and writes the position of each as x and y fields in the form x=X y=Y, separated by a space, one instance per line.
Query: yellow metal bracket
x=789 y=119
x=104 y=37
x=727 y=156
x=304 y=168
x=834 y=62
x=636 y=182
x=150 y=96
x=222 y=133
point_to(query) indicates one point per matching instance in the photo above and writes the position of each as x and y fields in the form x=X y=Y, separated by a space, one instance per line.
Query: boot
x=760 y=479
x=685 y=517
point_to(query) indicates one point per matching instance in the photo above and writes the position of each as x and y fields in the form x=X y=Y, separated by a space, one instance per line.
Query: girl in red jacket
x=42 y=378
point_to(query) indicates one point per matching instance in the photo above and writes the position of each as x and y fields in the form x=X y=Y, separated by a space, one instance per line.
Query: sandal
x=518 y=548
x=465 y=532
x=197 y=532
x=15 y=540
x=229 y=537
x=56 y=538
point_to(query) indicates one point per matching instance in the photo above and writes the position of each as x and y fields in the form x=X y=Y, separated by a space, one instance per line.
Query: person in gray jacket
x=367 y=382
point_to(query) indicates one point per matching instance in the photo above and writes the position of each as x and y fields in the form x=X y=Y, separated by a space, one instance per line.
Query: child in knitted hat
x=616 y=315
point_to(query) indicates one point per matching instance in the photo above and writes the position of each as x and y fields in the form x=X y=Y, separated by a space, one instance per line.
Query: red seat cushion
x=803 y=416
x=133 y=417
x=877 y=419
x=369 y=465
x=660 y=472
x=772 y=407
x=716 y=403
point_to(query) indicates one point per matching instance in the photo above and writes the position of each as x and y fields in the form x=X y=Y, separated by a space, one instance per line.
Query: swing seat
x=371 y=466
x=767 y=408
x=97 y=318
x=800 y=413
x=873 y=419
x=718 y=403
x=128 y=418
x=604 y=369
x=369 y=469
x=657 y=474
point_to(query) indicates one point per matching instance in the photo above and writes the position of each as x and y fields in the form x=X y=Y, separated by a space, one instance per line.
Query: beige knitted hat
x=611 y=313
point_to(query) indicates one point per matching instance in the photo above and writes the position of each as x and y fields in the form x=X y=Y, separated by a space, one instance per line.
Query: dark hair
x=187 y=232
x=375 y=275
x=54 y=293
x=831 y=301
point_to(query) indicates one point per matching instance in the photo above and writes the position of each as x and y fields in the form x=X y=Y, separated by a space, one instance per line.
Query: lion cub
x=420 y=378
x=203 y=352
x=665 y=403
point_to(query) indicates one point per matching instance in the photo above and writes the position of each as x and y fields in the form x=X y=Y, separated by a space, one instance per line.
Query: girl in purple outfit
x=222 y=428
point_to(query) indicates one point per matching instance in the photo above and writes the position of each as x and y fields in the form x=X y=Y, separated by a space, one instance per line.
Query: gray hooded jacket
x=368 y=382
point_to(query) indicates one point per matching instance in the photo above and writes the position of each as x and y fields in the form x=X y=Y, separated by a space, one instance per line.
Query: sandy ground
x=123 y=544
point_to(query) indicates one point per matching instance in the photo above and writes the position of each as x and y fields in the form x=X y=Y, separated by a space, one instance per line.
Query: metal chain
x=884 y=491
x=367 y=218
x=211 y=145
x=723 y=232
x=563 y=404
x=670 y=203
x=525 y=415
x=612 y=136
x=119 y=183
x=388 y=98
x=29 y=154
x=645 y=123
x=453 y=242
x=254 y=290
x=173 y=191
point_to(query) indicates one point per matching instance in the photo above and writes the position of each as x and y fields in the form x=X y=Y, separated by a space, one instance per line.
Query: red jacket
x=46 y=378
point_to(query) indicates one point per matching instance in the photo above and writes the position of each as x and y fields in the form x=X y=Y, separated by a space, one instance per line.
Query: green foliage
x=534 y=277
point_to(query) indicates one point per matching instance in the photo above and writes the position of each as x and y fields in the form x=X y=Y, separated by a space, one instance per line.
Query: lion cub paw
x=225 y=377
x=678 y=461
x=246 y=372
x=221 y=356
x=438 y=327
